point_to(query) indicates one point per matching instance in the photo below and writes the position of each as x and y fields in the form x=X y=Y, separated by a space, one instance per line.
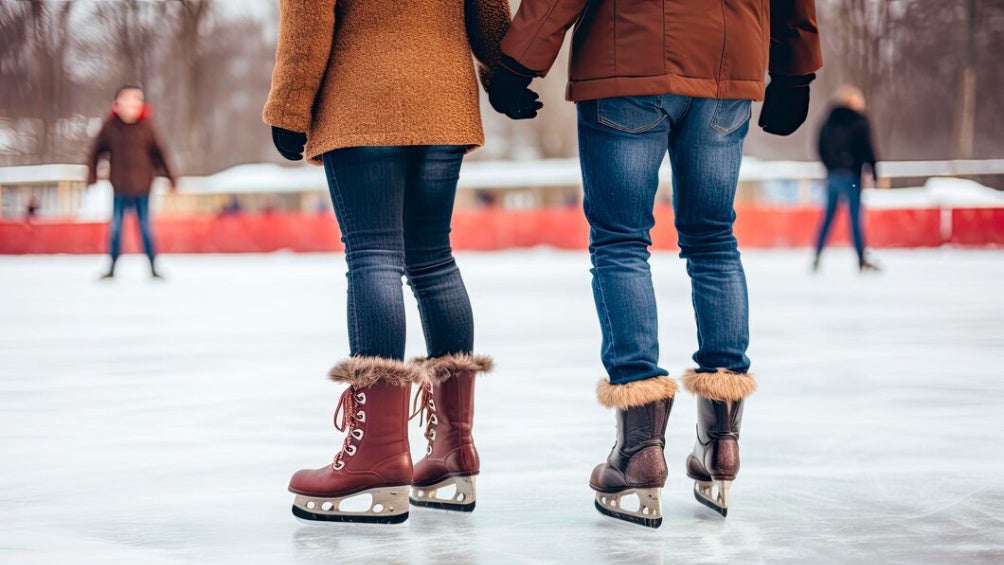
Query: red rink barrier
x=494 y=229
x=978 y=226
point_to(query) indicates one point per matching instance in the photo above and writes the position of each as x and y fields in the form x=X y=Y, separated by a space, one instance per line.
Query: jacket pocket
x=631 y=114
x=731 y=114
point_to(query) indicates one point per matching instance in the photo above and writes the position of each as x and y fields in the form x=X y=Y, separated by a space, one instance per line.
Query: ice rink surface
x=145 y=422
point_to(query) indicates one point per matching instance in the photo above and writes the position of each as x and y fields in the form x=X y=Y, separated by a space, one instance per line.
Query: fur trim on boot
x=635 y=393
x=722 y=385
x=363 y=372
x=439 y=369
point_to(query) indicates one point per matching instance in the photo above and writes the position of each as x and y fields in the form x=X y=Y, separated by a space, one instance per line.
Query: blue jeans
x=622 y=143
x=843 y=185
x=394 y=206
x=141 y=205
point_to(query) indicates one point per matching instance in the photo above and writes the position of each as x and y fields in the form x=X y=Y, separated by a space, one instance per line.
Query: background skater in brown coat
x=651 y=77
x=135 y=154
x=384 y=94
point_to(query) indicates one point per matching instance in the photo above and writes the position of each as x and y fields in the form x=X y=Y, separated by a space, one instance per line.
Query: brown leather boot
x=375 y=459
x=446 y=402
x=637 y=463
x=714 y=464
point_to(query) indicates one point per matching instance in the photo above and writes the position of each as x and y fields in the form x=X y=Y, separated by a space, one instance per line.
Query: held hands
x=289 y=143
x=785 y=104
x=508 y=92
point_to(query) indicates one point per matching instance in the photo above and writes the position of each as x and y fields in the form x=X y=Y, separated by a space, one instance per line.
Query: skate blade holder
x=714 y=495
x=387 y=505
x=638 y=506
x=455 y=493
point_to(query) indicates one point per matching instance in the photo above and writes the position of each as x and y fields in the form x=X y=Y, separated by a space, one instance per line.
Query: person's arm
x=98 y=148
x=487 y=22
x=868 y=149
x=538 y=30
x=794 y=38
x=306 y=29
x=160 y=159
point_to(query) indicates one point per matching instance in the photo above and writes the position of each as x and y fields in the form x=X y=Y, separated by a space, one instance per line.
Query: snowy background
x=145 y=422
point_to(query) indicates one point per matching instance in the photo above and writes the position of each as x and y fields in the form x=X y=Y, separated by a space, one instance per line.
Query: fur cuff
x=440 y=369
x=636 y=393
x=722 y=385
x=363 y=372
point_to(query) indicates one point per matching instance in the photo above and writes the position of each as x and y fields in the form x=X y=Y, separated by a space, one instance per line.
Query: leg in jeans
x=115 y=229
x=367 y=187
x=852 y=190
x=433 y=274
x=622 y=142
x=142 y=204
x=706 y=149
x=832 y=202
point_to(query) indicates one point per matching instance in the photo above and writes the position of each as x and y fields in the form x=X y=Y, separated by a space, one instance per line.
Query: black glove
x=289 y=143
x=508 y=92
x=785 y=104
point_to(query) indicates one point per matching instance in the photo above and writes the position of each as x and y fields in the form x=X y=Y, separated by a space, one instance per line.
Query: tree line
x=206 y=67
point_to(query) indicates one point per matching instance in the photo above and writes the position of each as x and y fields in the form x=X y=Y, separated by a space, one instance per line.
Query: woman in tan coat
x=384 y=94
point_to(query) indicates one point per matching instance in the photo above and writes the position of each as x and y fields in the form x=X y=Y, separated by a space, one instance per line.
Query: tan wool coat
x=352 y=73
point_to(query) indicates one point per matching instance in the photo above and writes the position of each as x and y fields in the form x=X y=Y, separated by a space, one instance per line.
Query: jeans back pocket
x=631 y=114
x=730 y=115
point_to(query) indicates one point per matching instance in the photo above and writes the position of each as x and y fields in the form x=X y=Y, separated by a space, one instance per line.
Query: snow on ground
x=145 y=422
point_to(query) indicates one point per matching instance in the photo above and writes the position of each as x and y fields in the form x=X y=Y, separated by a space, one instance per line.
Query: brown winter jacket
x=134 y=154
x=702 y=48
x=355 y=73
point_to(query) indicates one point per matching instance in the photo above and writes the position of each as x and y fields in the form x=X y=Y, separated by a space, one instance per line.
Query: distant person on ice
x=651 y=77
x=135 y=155
x=845 y=147
x=384 y=94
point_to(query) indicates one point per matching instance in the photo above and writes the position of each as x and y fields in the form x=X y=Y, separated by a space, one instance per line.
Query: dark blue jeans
x=622 y=143
x=141 y=205
x=843 y=185
x=394 y=206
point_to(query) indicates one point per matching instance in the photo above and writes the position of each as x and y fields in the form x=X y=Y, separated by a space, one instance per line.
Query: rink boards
x=496 y=229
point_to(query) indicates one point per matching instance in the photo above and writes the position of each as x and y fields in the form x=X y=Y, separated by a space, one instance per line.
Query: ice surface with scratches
x=146 y=422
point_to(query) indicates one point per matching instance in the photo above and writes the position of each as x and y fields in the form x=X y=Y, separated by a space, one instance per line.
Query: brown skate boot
x=451 y=463
x=714 y=463
x=637 y=463
x=375 y=459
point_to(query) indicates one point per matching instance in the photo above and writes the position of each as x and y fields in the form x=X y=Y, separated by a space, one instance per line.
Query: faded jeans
x=622 y=143
x=394 y=206
x=141 y=205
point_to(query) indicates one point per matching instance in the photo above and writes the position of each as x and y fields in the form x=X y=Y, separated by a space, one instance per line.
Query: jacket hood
x=144 y=114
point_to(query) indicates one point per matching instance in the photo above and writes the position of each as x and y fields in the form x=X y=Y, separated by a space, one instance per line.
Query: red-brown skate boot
x=714 y=464
x=637 y=463
x=375 y=460
x=445 y=477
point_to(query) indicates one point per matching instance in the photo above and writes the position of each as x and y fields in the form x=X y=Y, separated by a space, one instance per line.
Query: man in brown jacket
x=135 y=154
x=676 y=75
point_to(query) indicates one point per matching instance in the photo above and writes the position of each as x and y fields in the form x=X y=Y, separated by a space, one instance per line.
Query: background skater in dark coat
x=135 y=154
x=845 y=147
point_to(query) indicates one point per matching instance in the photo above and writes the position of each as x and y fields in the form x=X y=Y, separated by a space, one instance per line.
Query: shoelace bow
x=348 y=407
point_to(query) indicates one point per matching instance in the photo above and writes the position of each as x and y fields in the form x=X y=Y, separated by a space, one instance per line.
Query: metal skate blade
x=463 y=499
x=649 y=510
x=444 y=505
x=703 y=494
x=647 y=522
x=312 y=519
x=383 y=505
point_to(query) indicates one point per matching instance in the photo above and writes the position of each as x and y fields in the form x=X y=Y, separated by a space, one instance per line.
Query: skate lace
x=350 y=408
x=425 y=408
